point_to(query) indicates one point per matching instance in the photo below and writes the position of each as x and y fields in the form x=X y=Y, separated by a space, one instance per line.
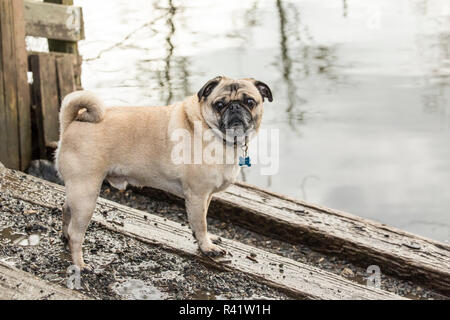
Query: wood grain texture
x=362 y=241
x=23 y=93
x=65 y=76
x=16 y=284
x=54 y=21
x=66 y=46
x=53 y=78
x=11 y=154
x=297 y=279
x=76 y=63
x=15 y=128
x=46 y=98
x=4 y=154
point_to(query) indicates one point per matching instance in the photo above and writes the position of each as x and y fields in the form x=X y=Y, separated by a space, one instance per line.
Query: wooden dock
x=28 y=113
x=18 y=285
x=298 y=280
x=359 y=240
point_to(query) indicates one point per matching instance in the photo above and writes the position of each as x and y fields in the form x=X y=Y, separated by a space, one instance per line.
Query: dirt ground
x=124 y=267
x=301 y=253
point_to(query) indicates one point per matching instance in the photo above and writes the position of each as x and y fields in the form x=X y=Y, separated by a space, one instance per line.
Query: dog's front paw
x=212 y=250
x=84 y=267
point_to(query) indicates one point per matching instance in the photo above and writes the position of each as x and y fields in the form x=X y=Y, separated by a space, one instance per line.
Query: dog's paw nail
x=87 y=269
x=214 y=252
x=217 y=240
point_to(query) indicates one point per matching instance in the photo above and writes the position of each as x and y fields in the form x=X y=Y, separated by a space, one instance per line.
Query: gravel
x=298 y=252
x=132 y=266
x=125 y=268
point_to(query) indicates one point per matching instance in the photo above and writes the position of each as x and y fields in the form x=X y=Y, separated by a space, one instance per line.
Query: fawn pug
x=133 y=145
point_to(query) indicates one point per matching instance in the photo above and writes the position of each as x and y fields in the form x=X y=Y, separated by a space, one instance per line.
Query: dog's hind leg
x=81 y=197
x=66 y=220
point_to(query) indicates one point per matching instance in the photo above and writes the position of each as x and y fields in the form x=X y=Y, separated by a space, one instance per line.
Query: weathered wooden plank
x=364 y=241
x=361 y=241
x=54 y=21
x=297 y=279
x=54 y=76
x=37 y=123
x=46 y=97
x=4 y=155
x=23 y=92
x=76 y=63
x=10 y=130
x=65 y=75
x=16 y=284
x=68 y=46
x=65 y=46
x=14 y=109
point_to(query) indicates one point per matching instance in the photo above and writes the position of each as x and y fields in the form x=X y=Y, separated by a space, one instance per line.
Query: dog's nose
x=234 y=106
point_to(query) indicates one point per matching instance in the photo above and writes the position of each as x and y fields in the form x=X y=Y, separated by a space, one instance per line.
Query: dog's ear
x=264 y=90
x=206 y=90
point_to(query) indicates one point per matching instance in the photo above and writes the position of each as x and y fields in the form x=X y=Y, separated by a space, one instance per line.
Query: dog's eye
x=219 y=105
x=250 y=102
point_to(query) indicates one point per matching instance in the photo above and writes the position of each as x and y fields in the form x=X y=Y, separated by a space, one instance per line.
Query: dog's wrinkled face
x=233 y=106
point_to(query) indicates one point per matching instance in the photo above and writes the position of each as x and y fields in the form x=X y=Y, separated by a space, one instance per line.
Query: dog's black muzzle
x=235 y=118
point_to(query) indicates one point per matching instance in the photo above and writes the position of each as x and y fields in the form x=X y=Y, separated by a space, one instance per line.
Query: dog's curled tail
x=76 y=101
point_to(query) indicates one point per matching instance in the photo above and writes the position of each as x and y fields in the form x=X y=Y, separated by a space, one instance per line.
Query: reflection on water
x=361 y=89
x=299 y=58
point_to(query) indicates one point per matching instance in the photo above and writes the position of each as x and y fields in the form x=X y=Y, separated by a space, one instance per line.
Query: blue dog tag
x=244 y=161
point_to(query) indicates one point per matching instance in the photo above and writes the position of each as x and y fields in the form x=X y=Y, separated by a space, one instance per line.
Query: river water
x=361 y=90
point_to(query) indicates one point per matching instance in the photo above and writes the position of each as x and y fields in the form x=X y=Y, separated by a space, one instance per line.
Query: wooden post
x=64 y=46
x=53 y=79
x=58 y=45
x=15 y=126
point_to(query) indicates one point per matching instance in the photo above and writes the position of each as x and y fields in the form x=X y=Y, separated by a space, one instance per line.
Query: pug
x=134 y=145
